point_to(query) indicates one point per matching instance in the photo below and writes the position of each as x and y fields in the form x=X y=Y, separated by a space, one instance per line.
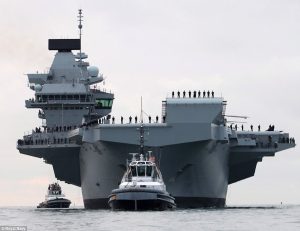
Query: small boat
x=142 y=188
x=55 y=198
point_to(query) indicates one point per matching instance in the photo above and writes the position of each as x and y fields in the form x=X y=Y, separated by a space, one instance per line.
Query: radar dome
x=38 y=87
x=93 y=71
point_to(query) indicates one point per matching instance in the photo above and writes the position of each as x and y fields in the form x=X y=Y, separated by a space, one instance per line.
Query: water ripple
x=229 y=218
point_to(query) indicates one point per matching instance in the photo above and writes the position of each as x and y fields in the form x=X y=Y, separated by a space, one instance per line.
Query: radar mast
x=80 y=27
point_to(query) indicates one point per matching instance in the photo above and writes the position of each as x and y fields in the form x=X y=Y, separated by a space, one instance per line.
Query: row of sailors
x=251 y=127
x=66 y=141
x=93 y=122
x=43 y=141
x=54 y=129
x=194 y=94
x=130 y=120
x=54 y=186
x=271 y=127
x=136 y=119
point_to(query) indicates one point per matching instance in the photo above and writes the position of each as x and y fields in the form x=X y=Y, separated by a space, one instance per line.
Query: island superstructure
x=199 y=154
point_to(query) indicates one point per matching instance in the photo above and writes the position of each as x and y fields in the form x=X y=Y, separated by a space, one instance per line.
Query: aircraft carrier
x=199 y=153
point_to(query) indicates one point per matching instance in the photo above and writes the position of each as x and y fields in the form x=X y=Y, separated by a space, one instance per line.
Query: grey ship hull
x=196 y=174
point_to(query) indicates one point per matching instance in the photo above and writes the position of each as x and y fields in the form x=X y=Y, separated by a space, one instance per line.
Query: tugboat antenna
x=133 y=156
x=80 y=27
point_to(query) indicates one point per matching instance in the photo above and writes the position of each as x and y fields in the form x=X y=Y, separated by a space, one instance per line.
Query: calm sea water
x=230 y=218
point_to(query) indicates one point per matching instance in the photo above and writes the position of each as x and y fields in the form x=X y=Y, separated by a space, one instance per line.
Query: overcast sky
x=246 y=51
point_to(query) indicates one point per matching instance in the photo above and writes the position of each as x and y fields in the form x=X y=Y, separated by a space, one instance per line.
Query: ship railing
x=54 y=101
x=50 y=130
x=267 y=145
x=46 y=139
x=95 y=90
x=65 y=141
x=67 y=101
x=272 y=145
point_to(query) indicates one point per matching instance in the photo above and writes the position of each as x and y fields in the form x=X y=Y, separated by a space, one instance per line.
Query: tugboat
x=54 y=198
x=142 y=188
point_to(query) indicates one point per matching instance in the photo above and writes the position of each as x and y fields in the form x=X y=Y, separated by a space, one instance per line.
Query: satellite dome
x=38 y=87
x=93 y=71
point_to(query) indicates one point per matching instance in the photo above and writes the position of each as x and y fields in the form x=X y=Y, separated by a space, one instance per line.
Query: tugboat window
x=148 y=170
x=141 y=170
x=133 y=170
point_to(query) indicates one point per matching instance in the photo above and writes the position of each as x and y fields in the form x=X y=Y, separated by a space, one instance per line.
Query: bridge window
x=82 y=98
x=103 y=103
x=44 y=98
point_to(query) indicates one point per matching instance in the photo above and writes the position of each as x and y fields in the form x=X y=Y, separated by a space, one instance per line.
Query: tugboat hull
x=140 y=199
